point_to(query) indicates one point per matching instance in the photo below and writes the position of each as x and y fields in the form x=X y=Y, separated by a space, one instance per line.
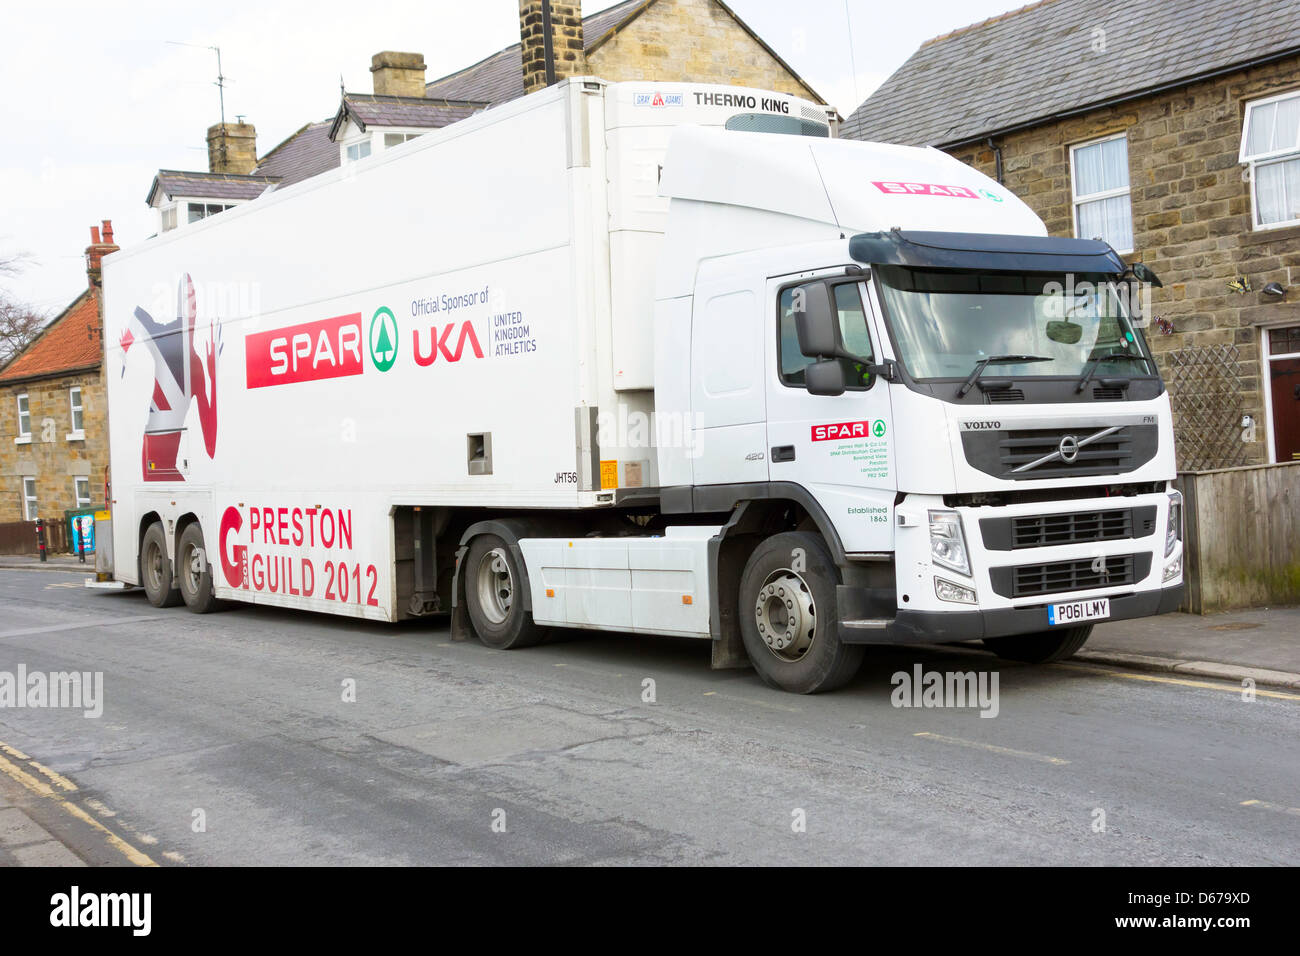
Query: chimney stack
x=398 y=74
x=551 y=35
x=99 y=247
x=232 y=148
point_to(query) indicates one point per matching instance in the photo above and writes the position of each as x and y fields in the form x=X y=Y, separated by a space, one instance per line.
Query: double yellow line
x=54 y=786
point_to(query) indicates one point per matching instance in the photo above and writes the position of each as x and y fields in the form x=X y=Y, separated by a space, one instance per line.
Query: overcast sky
x=96 y=99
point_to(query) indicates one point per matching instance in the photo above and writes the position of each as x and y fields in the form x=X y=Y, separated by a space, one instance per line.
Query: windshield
x=946 y=323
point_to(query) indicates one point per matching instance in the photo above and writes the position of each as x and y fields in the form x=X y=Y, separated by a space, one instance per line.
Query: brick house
x=53 y=434
x=700 y=41
x=1173 y=132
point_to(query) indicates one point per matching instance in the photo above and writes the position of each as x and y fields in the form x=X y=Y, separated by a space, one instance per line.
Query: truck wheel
x=156 y=568
x=494 y=596
x=194 y=571
x=1040 y=647
x=788 y=617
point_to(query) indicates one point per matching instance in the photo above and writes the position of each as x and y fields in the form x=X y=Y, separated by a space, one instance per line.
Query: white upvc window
x=76 y=414
x=1100 y=186
x=199 y=211
x=168 y=217
x=1270 y=146
x=29 y=499
x=355 y=151
x=397 y=139
x=24 y=420
x=81 y=489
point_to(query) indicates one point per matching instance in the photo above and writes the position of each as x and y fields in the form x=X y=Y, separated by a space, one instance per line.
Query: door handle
x=783 y=453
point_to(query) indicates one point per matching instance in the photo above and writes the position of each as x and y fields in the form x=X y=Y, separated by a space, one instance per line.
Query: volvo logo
x=1069 y=449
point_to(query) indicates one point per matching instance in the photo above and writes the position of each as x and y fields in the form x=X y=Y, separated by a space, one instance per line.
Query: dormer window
x=358 y=151
x=397 y=139
x=168 y=218
x=202 y=210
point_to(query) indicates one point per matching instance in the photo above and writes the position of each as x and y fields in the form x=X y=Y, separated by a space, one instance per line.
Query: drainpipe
x=997 y=158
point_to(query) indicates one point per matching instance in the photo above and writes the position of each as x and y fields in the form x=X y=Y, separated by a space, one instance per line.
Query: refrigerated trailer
x=658 y=359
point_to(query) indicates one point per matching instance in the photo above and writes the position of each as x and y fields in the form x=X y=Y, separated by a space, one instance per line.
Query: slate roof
x=173 y=182
x=421 y=112
x=500 y=77
x=305 y=154
x=69 y=343
x=1037 y=64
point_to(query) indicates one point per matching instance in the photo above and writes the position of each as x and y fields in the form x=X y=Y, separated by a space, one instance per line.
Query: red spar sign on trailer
x=328 y=348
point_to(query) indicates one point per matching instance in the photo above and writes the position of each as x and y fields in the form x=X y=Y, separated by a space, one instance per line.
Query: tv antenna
x=221 y=78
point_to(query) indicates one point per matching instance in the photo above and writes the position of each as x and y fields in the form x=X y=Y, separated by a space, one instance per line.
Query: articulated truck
x=659 y=359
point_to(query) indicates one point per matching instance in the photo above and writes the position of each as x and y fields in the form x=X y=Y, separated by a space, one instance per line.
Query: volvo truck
x=658 y=359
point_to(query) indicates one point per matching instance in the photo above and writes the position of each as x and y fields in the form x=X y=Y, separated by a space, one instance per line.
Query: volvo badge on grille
x=1069 y=449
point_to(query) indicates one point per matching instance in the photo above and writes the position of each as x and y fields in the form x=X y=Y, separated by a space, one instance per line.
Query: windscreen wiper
x=984 y=363
x=1106 y=357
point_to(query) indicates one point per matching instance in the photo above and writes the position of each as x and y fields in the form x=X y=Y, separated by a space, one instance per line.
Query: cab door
x=840 y=448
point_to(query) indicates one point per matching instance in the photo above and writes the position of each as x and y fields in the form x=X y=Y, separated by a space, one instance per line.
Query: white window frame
x=24 y=433
x=169 y=217
x=1076 y=200
x=1266 y=333
x=76 y=408
x=1266 y=159
x=82 y=502
x=31 y=504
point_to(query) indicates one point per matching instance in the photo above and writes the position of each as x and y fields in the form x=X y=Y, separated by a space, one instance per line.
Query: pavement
x=1260 y=644
x=263 y=736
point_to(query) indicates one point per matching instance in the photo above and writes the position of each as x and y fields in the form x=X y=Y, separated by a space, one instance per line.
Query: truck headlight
x=948 y=542
x=1174 y=527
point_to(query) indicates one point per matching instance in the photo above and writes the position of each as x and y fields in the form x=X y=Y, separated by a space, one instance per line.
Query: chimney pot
x=108 y=231
x=94 y=235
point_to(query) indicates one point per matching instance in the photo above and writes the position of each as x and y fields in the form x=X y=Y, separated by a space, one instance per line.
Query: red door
x=1285 y=383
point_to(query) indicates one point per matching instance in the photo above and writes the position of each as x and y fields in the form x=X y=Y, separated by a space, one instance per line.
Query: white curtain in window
x=1100 y=167
x=1277 y=192
x=1107 y=219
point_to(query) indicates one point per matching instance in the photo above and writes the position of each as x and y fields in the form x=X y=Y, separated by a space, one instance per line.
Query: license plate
x=1075 y=612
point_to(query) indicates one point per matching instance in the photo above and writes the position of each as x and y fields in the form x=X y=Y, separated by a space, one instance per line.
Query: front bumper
x=937 y=627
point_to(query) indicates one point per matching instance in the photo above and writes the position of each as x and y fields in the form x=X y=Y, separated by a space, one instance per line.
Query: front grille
x=1071 y=527
x=1085 y=574
x=1001 y=452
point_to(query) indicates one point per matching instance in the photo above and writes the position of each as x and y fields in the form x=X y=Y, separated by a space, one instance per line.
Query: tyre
x=1040 y=647
x=788 y=616
x=156 y=568
x=194 y=571
x=494 y=596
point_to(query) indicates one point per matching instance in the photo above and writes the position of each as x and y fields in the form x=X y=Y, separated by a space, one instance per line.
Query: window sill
x=1259 y=236
x=75 y=436
x=23 y=440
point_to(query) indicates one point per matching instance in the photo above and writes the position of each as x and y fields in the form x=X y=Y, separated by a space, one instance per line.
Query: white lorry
x=650 y=358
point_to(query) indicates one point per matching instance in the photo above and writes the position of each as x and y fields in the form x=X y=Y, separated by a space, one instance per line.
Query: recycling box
x=81 y=525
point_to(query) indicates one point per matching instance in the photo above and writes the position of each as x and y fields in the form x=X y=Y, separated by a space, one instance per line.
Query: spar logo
x=308 y=352
x=923 y=189
x=383 y=339
x=842 y=431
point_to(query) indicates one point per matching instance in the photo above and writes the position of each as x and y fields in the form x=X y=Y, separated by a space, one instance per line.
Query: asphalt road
x=241 y=715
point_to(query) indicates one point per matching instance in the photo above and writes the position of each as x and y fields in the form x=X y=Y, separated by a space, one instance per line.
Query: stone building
x=1172 y=130
x=53 y=434
x=701 y=41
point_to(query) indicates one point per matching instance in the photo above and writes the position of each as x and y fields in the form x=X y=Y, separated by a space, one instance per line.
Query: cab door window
x=847 y=297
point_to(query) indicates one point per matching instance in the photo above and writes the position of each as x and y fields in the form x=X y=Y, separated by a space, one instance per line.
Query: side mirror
x=1143 y=273
x=1066 y=333
x=825 y=378
x=816 y=324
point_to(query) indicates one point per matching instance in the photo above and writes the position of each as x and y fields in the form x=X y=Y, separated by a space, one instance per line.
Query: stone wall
x=692 y=41
x=51 y=457
x=1191 y=213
